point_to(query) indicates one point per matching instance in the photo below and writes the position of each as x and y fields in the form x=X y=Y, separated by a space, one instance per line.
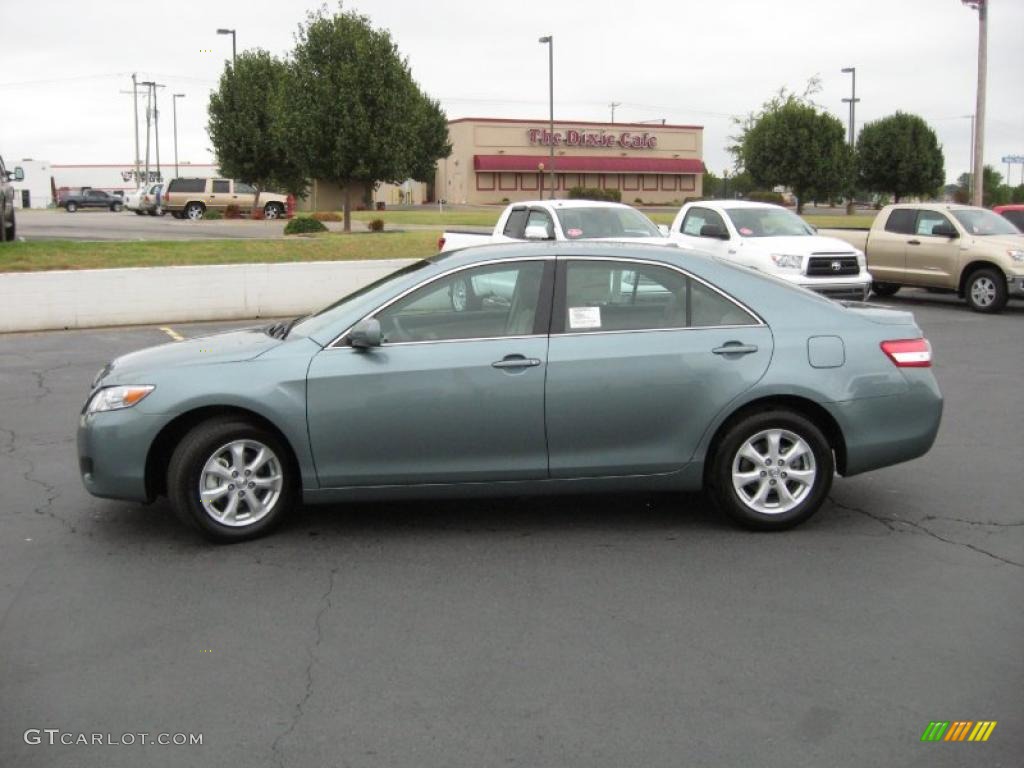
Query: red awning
x=588 y=164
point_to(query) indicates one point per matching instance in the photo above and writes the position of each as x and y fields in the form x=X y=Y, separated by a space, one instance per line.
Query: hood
x=799 y=245
x=228 y=347
x=1000 y=241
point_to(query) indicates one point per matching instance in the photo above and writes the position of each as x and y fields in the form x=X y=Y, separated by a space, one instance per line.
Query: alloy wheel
x=773 y=471
x=983 y=291
x=241 y=483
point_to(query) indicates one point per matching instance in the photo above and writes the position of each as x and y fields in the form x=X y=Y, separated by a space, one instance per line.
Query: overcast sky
x=687 y=62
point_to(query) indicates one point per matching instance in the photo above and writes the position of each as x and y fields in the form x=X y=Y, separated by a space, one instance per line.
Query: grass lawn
x=856 y=221
x=41 y=255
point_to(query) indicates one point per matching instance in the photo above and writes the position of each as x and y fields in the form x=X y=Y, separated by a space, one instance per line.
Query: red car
x=1015 y=213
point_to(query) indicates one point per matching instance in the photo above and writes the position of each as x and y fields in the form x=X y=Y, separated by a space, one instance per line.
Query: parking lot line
x=172 y=333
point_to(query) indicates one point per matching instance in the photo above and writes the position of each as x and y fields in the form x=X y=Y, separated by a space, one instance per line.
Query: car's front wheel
x=273 y=211
x=116 y=207
x=232 y=479
x=884 y=289
x=772 y=470
x=71 y=207
x=986 y=291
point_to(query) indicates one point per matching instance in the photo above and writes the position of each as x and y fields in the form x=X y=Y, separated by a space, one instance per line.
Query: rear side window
x=515 y=225
x=901 y=221
x=187 y=185
x=221 y=186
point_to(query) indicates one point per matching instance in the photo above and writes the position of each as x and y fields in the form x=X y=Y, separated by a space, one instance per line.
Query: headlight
x=115 y=398
x=787 y=260
x=1016 y=254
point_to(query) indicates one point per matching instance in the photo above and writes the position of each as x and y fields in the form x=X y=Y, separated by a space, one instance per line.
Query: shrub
x=301 y=225
x=376 y=225
x=326 y=216
x=257 y=214
x=211 y=214
x=766 y=196
x=593 y=193
x=232 y=212
x=638 y=201
x=504 y=200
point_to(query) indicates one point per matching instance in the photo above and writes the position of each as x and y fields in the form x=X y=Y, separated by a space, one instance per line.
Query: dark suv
x=91 y=198
x=8 y=231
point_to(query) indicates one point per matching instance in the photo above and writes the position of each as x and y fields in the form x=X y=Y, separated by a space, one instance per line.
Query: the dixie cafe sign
x=574 y=138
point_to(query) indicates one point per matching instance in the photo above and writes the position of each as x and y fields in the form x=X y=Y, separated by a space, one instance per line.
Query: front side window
x=538 y=220
x=696 y=218
x=244 y=189
x=585 y=223
x=484 y=302
x=927 y=221
x=983 y=223
x=768 y=222
x=221 y=186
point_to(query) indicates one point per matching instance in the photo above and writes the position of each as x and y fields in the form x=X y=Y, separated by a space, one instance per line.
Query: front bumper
x=112 y=451
x=1015 y=285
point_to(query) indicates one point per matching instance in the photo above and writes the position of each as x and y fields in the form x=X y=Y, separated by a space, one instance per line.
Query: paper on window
x=584 y=317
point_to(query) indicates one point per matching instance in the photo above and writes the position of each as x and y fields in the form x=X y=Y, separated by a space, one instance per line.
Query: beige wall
x=458 y=182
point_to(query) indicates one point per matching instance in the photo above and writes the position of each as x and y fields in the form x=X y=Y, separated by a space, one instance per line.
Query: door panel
x=931 y=259
x=429 y=413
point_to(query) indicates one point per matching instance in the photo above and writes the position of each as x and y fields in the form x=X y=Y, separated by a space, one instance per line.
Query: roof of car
x=740 y=204
x=571 y=203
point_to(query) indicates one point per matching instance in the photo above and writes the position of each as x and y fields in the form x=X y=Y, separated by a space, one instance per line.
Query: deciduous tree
x=900 y=155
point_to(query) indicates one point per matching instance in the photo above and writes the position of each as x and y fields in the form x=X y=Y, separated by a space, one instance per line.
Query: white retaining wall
x=35 y=301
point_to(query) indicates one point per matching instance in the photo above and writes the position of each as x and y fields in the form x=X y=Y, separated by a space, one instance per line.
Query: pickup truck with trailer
x=562 y=220
x=773 y=240
x=87 y=197
x=939 y=246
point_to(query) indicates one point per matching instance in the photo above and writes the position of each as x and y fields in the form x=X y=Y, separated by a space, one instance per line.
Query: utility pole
x=149 y=120
x=550 y=41
x=852 y=101
x=174 y=104
x=156 y=124
x=978 y=195
x=135 y=114
x=613 y=105
x=154 y=116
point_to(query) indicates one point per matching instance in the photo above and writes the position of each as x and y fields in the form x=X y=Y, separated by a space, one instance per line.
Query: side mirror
x=536 y=232
x=715 y=231
x=365 y=334
x=19 y=173
x=663 y=228
x=945 y=230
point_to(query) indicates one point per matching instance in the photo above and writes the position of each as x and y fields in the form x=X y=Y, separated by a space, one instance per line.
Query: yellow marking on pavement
x=172 y=333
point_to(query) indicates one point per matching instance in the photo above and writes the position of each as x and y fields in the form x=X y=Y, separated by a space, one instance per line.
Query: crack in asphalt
x=43 y=389
x=325 y=605
x=890 y=523
x=991 y=523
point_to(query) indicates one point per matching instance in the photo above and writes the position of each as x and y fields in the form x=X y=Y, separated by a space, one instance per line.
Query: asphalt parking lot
x=609 y=631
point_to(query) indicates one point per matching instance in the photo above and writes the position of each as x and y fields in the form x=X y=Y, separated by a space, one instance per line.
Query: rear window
x=902 y=221
x=187 y=185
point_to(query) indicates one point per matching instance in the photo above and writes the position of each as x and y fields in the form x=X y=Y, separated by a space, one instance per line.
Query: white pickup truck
x=563 y=220
x=773 y=240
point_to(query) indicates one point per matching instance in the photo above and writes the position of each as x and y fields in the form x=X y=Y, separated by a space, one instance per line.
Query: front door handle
x=735 y=348
x=516 y=361
x=913 y=242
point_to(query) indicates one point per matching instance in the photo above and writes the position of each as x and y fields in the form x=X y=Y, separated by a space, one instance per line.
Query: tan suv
x=192 y=198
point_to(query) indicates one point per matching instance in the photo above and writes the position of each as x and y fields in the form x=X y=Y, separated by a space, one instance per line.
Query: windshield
x=326 y=315
x=978 y=221
x=588 y=223
x=768 y=222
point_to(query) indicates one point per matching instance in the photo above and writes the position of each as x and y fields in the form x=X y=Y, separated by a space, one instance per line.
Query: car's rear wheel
x=772 y=470
x=116 y=207
x=195 y=211
x=273 y=211
x=232 y=479
x=884 y=289
x=71 y=207
x=986 y=291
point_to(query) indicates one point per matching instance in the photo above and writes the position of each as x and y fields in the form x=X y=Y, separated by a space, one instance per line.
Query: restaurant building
x=495 y=160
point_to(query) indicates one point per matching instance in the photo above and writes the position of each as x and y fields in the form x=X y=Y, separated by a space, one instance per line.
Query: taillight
x=909 y=353
x=440 y=243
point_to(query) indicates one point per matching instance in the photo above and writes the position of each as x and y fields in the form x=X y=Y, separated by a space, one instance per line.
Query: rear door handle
x=735 y=348
x=913 y=242
x=516 y=361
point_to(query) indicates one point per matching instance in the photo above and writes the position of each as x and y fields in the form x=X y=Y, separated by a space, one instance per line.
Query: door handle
x=735 y=348
x=516 y=361
x=913 y=242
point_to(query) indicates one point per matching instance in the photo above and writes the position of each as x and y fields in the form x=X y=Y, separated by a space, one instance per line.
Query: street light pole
x=174 y=103
x=981 y=6
x=550 y=40
x=613 y=105
x=233 y=50
x=135 y=111
x=852 y=101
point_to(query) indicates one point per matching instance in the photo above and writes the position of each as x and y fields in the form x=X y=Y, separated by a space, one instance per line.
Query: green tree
x=244 y=125
x=900 y=155
x=994 y=191
x=793 y=143
x=352 y=111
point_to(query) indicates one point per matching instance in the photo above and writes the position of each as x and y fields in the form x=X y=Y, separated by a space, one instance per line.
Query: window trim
x=559 y=305
x=917 y=222
x=546 y=312
x=704 y=208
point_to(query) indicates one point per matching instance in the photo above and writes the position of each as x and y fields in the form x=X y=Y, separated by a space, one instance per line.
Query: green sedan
x=608 y=367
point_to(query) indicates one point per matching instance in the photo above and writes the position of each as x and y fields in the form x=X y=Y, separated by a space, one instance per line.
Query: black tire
x=139 y=213
x=70 y=207
x=116 y=207
x=194 y=211
x=201 y=445
x=177 y=214
x=12 y=231
x=151 y=212
x=273 y=211
x=809 y=498
x=985 y=291
x=884 y=289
